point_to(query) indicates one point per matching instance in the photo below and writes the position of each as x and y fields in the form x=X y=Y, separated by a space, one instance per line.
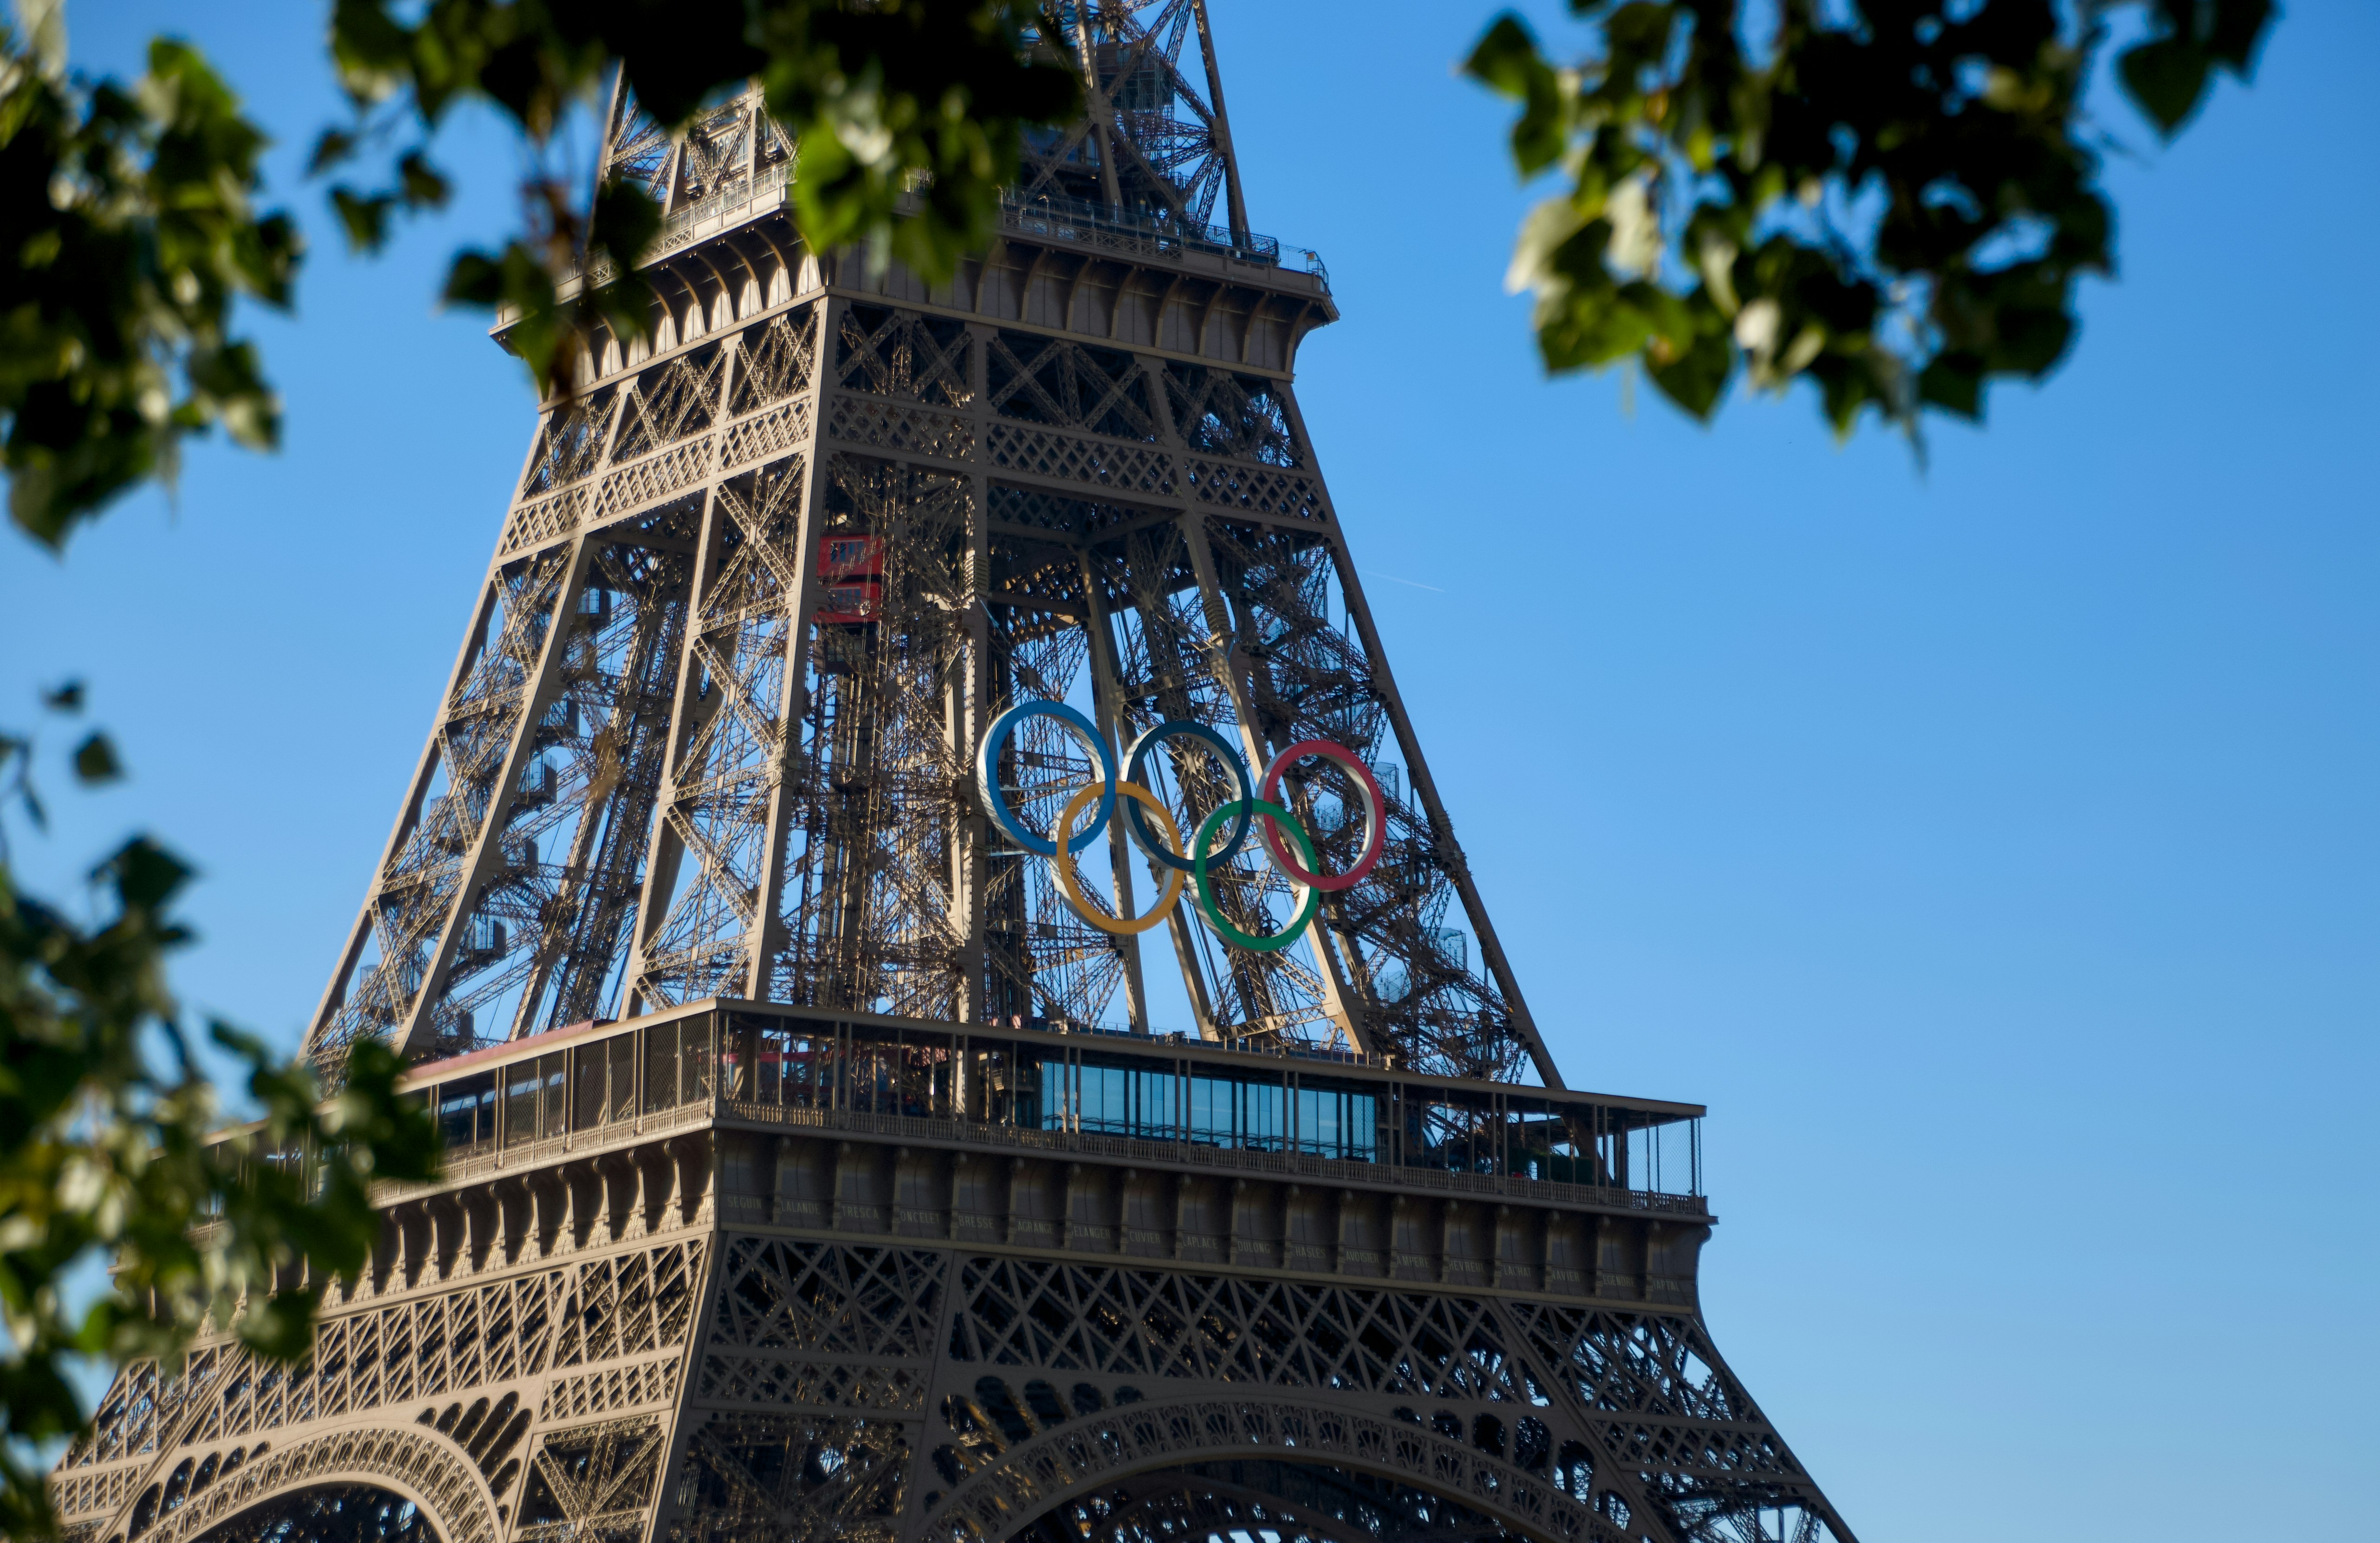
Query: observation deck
x=610 y=1190
x=1161 y=1101
x=1045 y=1137
x=1125 y=233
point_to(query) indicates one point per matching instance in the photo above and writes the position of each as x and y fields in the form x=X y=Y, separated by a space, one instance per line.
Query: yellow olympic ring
x=1064 y=860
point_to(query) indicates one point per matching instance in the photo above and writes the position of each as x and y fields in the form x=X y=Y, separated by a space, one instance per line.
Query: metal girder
x=792 y=818
x=705 y=1321
x=687 y=771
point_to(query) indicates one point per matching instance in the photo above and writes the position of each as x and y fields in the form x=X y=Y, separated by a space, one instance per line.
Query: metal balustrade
x=485 y=1160
x=1128 y=232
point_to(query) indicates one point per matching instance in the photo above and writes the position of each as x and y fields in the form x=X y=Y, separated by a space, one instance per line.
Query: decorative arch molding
x=1170 y=1501
x=331 y=1514
x=1036 y=1478
x=420 y=1465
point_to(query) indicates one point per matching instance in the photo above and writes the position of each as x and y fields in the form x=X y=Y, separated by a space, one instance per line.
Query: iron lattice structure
x=816 y=1172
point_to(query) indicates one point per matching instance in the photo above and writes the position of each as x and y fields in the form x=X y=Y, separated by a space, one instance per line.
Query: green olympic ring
x=1282 y=819
x=1243 y=811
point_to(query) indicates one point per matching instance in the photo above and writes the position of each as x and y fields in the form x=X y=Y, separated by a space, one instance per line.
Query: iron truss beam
x=815 y=1169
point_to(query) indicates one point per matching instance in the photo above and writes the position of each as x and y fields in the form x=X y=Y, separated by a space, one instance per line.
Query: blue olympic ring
x=987 y=768
x=1136 y=762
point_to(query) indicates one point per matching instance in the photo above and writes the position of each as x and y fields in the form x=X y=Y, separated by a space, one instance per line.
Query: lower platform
x=707 y=1324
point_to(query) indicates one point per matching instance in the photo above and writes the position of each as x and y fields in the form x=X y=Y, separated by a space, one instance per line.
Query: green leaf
x=67 y=697
x=425 y=187
x=2164 y=79
x=44 y=25
x=1695 y=377
x=364 y=217
x=1954 y=382
x=625 y=224
x=1639 y=30
x=401 y=1137
x=474 y=278
x=95 y=762
x=281 y=1326
x=145 y=876
x=1677 y=245
x=2238 y=30
x=1507 y=60
x=132 y=237
x=333 y=146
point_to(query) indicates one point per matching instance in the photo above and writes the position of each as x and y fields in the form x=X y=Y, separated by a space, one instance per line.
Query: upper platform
x=1105 y=274
x=1048 y=1087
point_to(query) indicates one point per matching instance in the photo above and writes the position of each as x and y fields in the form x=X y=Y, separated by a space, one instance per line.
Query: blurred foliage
x=105 y=1156
x=1893 y=199
x=132 y=230
x=908 y=118
x=130 y=233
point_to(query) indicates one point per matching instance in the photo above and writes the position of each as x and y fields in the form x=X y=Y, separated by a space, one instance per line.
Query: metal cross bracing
x=669 y=768
x=740 y=1271
x=815 y=1171
x=1154 y=138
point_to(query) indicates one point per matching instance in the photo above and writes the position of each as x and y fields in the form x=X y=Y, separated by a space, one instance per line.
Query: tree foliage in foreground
x=139 y=231
x=129 y=234
x=908 y=118
x=105 y=1157
x=1893 y=199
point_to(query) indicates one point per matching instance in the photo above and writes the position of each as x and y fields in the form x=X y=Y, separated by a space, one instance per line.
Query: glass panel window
x=1262 y=1128
x=554 y=1099
x=765 y=1082
x=1230 y=1111
x=1121 y=1099
x=1012 y=1082
x=693 y=1059
x=467 y=1110
x=1340 y=1123
x=739 y=1071
x=1212 y=1112
x=793 y=1068
x=520 y=1102
x=623 y=1077
x=661 y=1068
x=589 y=1100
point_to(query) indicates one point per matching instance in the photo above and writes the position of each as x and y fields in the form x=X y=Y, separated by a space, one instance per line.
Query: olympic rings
x=1068 y=882
x=1375 y=814
x=1199 y=859
x=1257 y=804
x=1135 y=763
x=986 y=766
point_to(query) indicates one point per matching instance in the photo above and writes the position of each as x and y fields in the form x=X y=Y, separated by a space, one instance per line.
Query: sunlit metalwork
x=815 y=1169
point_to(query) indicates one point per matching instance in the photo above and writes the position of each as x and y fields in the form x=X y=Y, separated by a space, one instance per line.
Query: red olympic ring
x=1376 y=813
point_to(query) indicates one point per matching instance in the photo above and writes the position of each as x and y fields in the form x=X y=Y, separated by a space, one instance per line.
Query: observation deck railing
x=485 y=1160
x=766 y=190
x=1103 y=227
x=1130 y=230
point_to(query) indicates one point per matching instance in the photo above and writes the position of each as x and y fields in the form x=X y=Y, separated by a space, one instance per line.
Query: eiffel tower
x=816 y=1169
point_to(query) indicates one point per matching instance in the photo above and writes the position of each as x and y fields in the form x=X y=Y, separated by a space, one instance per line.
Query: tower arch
x=788 y=1101
x=1297 y=1500
x=416 y=1467
x=1265 y=1451
x=328 y=1513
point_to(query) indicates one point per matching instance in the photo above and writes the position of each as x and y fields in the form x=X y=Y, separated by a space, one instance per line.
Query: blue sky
x=1991 y=847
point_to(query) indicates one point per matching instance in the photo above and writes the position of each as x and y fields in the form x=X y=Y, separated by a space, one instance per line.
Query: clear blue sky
x=1992 y=849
